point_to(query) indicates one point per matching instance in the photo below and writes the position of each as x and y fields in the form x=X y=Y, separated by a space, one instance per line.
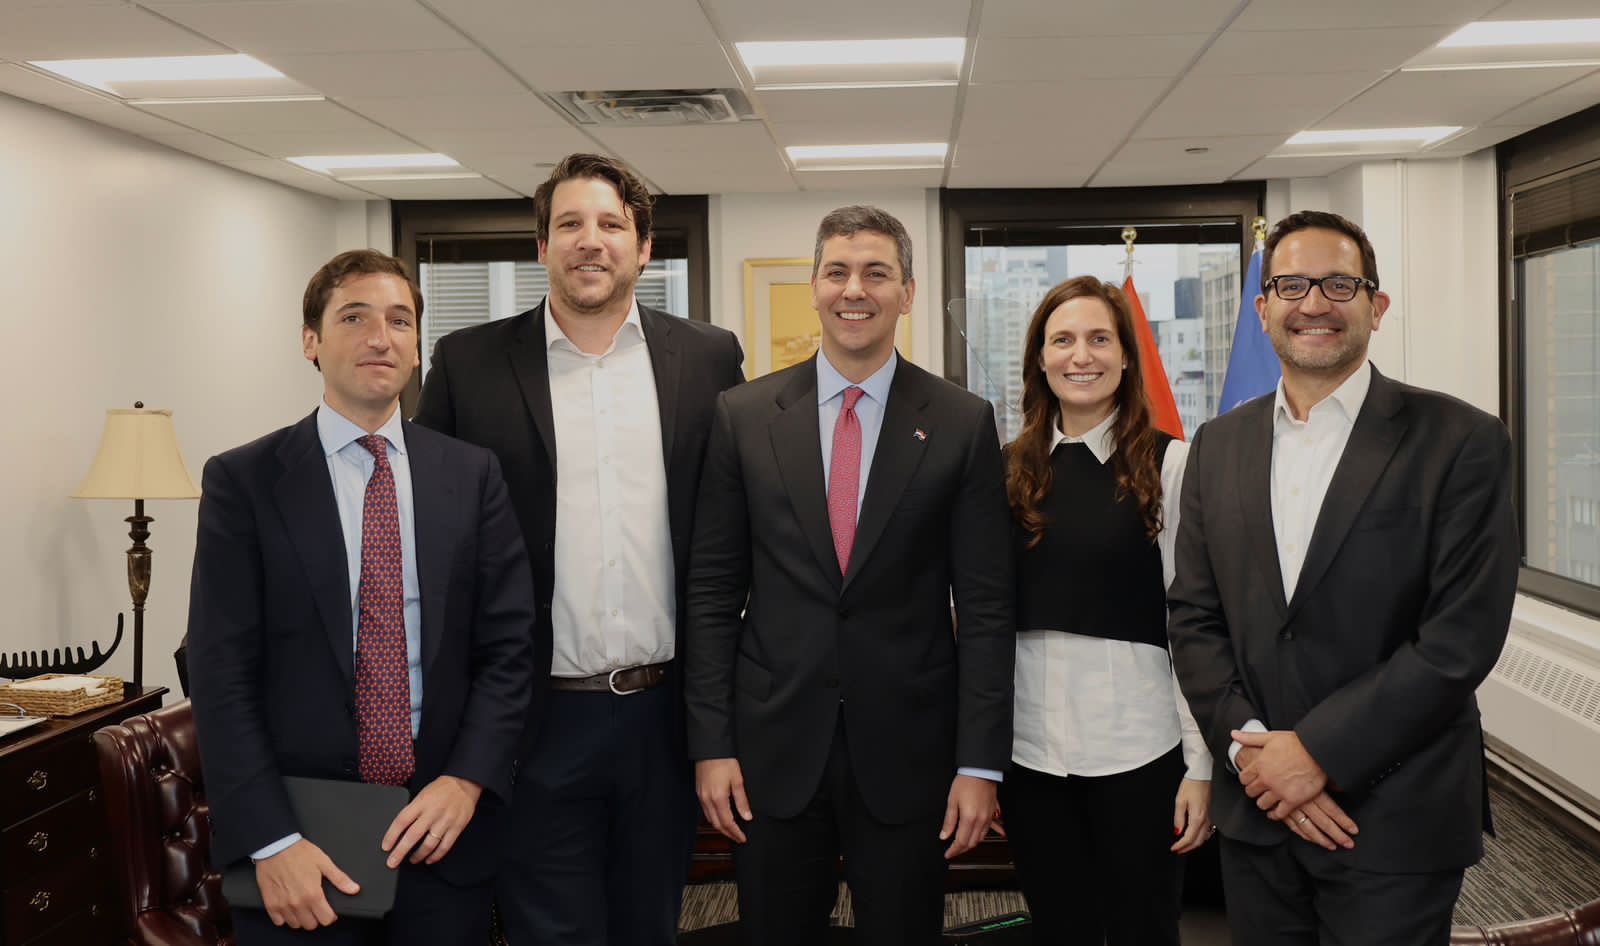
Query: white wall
x=779 y=226
x=132 y=272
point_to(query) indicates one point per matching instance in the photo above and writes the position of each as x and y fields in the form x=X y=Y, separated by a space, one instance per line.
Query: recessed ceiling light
x=863 y=84
x=1519 y=64
x=854 y=52
x=1419 y=136
x=328 y=163
x=1523 y=33
x=102 y=73
x=879 y=157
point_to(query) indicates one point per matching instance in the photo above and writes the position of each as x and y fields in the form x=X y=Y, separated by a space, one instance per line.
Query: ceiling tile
x=741 y=21
x=472 y=189
x=1237 y=150
x=378 y=74
x=1230 y=106
x=1102 y=112
x=889 y=105
x=1273 y=52
x=298 y=177
x=1553 y=105
x=254 y=117
x=1543 y=10
x=315 y=26
x=1321 y=15
x=686 y=172
x=456 y=112
x=1271 y=168
x=204 y=146
x=501 y=24
x=863 y=132
x=284 y=144
x=1101 y=17
x=1475 y=140
x=1408 y=99
x=122 y=117
x=741 y=138
x=1003 y=166
x=534 y=142
x=1137 y=174
x=59 y=32
x=869 y=180
x=1053 y=58
x=619 y=66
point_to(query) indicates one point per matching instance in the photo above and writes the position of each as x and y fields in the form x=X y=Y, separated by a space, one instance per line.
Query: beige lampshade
x=138 y=459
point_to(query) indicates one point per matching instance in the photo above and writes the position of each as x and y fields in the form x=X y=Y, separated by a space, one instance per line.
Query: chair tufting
x=168 y=893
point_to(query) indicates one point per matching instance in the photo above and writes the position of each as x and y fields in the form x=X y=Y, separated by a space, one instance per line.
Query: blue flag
x=1253 y=368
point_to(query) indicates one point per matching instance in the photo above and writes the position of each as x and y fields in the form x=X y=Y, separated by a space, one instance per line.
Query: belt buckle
x=611 y=681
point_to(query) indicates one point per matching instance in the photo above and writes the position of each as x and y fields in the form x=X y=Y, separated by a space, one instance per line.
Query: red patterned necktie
x=844 y=478
x=383 y=678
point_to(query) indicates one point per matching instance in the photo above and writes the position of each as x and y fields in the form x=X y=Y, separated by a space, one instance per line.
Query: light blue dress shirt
x=869 y=413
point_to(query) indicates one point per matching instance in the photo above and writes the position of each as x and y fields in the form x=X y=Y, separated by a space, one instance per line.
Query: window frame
x=1111 y=207
x=1537 y=158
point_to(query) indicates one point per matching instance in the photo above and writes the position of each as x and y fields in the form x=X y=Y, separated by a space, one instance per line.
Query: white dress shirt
x=1091 y=706
x=614 y=601
x=1305 y=454
x=350 y=466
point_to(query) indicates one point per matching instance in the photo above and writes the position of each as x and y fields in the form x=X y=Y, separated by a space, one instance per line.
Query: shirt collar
x=1349 y=396
x=553 y=335
x=337 y=431
x=1099 y=439
x=830 y=382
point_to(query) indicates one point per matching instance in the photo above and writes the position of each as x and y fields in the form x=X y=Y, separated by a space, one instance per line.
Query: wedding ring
x=1304 y=818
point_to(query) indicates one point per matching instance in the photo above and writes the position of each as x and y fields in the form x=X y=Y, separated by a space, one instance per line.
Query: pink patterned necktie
x=844 y=478
x=383 y=678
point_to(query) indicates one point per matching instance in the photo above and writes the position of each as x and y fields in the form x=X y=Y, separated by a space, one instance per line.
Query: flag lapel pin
x=920 y=434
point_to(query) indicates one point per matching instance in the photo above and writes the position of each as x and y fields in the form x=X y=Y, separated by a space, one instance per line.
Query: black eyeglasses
x=1334 y=288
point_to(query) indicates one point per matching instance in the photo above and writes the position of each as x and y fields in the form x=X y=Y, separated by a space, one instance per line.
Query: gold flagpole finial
x=1259 y=225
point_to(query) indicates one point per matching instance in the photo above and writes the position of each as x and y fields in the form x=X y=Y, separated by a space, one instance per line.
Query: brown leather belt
x=622 y=681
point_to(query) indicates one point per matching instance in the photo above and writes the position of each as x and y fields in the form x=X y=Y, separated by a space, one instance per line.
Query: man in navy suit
x=361 y=609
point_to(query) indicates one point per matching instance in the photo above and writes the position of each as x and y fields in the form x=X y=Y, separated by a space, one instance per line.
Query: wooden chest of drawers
x=54 y=883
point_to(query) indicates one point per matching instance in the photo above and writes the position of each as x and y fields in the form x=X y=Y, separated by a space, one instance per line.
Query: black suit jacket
x=271 y=652
x=918 y=700
x=490 y=385
x=1400 y=611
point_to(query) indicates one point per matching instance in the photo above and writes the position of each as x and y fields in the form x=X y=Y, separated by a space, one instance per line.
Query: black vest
x=1096 y=572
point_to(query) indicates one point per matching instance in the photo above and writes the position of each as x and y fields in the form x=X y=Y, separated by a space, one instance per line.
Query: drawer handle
x=38 y=780
x=40 y=901
x=40 y=842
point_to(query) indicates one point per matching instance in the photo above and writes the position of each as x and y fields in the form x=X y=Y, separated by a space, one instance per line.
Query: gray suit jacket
x=1401 y=609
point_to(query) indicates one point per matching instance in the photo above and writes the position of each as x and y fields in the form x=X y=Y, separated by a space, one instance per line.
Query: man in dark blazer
x=360 y=610
x=833 y=707
x=1346 y=565
x=599 y=410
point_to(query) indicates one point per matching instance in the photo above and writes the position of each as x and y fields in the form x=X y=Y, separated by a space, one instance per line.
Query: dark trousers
x=788 y=869
x=604 y=820
x=1093 y=854
x=427 y=911
x=1297 y=894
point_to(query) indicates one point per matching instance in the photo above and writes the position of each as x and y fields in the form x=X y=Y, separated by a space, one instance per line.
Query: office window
x=1005 y=249
x=1551 y=203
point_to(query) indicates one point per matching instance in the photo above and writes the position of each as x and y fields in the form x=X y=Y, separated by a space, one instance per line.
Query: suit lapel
x=530 y=361
x=797 y=447
x=304 y=495
x=666 y=362
x=894 y=460
x=1254 y=490
x=433 y=498
x=1372 y=443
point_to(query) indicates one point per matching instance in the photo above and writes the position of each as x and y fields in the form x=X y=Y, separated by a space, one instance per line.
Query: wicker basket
x=59 y=702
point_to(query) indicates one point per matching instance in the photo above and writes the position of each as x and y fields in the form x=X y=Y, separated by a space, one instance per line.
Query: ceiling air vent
x=654 y=106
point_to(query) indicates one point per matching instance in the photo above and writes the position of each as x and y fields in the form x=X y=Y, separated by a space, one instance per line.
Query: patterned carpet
x=1533 y=867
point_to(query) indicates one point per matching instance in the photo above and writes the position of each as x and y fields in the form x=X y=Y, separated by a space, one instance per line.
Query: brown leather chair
x=1579 y=926
x=168 y=894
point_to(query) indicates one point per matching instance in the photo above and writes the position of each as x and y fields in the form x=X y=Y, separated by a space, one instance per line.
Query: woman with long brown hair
x=1109 y=782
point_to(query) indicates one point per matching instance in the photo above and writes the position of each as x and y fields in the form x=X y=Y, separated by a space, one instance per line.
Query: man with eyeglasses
x=1346 y=563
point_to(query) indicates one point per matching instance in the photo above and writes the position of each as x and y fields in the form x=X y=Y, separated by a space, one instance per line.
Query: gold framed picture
x=780 y=324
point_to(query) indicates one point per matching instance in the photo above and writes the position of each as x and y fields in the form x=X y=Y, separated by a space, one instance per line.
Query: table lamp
x=138 y=460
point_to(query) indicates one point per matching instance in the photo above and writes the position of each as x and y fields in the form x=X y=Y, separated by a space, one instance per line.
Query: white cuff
x=1252 y=725
x=276 y=847
x=990 y=774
